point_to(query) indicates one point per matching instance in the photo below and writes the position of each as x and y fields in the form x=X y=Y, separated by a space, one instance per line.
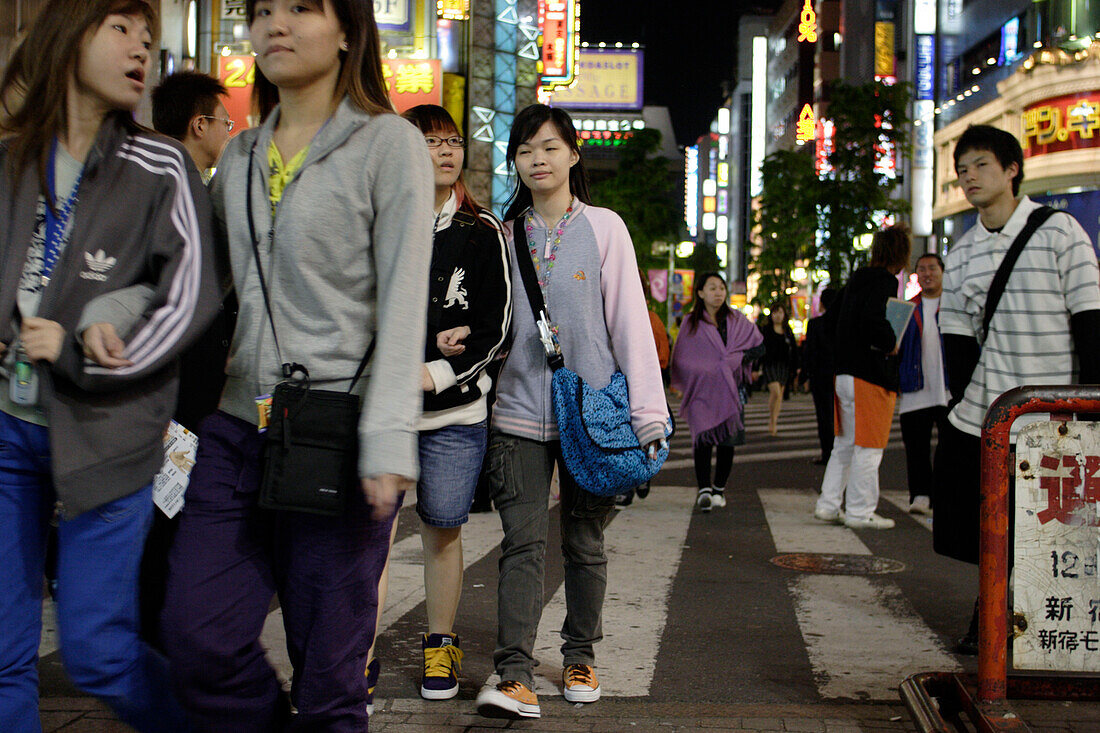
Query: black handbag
x=310 y=453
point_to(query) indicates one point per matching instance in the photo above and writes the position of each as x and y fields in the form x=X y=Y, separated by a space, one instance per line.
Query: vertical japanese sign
x=1055 y=580
x=238 y=74
x=884 y=51
x=558 y=24
x=413 y=81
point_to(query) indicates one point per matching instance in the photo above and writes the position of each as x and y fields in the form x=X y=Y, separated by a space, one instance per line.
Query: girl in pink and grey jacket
x=586 y=269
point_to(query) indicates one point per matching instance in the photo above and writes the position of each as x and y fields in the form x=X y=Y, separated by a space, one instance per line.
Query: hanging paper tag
x=263 y=410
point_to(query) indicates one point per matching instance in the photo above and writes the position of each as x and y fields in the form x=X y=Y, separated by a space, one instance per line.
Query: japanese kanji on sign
x=1055 y=579
x=413 y=81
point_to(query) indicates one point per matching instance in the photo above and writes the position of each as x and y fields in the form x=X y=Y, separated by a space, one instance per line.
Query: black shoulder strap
x=531 y=284
x=527 y=269
x=288 y=368
x=1000 y=279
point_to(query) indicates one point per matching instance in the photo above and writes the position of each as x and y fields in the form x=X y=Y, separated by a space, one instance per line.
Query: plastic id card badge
x=263 y=410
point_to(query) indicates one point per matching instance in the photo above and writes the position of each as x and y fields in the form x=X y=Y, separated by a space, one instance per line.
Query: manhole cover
x=826 y=564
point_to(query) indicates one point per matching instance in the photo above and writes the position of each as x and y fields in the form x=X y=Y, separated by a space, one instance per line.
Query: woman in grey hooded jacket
x=340 y=203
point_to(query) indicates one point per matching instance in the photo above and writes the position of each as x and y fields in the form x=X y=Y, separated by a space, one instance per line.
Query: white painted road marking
x=845 y=617
x=644 y=546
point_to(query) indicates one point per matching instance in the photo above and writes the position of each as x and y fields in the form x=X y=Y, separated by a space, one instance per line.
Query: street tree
x=787 y=218
x=872 y=128
x=644 y=193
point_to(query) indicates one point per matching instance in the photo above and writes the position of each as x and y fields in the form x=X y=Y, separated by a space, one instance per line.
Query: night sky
x=689 y=50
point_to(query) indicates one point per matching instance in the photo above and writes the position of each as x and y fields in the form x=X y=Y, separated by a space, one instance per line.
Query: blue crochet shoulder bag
x=598 y=444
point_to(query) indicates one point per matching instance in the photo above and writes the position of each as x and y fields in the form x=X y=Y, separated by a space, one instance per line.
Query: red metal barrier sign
x=1056 y=579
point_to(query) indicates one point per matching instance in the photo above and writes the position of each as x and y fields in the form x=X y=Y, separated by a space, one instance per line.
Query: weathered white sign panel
x=1055 y=580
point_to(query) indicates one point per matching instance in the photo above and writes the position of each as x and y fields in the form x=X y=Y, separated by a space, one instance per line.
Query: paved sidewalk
x=84 y=715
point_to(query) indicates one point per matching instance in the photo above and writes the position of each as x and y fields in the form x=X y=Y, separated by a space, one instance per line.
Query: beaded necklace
x=554 y=233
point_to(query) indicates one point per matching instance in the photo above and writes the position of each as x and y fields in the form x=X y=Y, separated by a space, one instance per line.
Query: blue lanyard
x=57 y=224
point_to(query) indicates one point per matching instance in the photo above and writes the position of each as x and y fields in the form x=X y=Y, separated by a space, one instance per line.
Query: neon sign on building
x=453 y=9
x=691 y=189
x=807 y=24
x=559 y=23
x=807 y=125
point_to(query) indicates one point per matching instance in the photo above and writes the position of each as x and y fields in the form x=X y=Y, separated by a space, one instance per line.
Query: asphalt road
x=705 y=618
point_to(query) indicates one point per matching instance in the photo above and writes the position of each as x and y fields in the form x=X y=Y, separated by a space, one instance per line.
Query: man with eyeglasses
x=188 y=107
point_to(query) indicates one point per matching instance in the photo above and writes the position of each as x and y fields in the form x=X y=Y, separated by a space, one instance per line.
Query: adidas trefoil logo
x=98 y=264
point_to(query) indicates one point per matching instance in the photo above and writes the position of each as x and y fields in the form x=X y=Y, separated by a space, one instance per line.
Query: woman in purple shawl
x=709 y=365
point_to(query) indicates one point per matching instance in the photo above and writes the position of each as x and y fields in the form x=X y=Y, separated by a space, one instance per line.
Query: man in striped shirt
x=1046 y=328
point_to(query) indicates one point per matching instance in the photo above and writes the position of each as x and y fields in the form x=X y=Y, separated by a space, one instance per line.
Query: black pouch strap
x=289 y=369
x=1000 y=279
x=531 y=284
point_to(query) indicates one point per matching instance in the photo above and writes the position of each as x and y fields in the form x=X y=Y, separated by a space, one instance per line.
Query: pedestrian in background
x=107 y=276
x=780 y=360
x=586 y=269
x=710 y=368
x=818 y=367
x=923 y=383
x=866 y=386
x=469 y=311
x=660 y=339
x=1045 y=329
x=330 y=198
x=189 y=107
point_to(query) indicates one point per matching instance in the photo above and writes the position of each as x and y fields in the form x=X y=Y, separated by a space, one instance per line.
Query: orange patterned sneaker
x=509 y=699
x=580 y=683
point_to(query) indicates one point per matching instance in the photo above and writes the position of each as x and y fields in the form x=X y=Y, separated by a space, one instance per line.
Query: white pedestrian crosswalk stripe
x=644 y=546
x=844 y=617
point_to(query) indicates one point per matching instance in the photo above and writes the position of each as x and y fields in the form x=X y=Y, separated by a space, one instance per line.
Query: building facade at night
x=1033 y=69
x=478 y=58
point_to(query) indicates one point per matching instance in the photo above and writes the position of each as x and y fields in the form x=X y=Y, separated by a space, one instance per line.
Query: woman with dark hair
x=710 y=366
x=329 y=202
x=469 y=310
x=780 y=360
x=588 y=276
x=866 y=386
x=107 y=276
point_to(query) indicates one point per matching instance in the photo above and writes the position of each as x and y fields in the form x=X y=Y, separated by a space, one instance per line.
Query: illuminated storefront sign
x=238 y=74
x=453 y=9
x=1070 y=122
x=413 y=81
x=924 y=17
x=691 y=189
x=558 y=21
x=804 y=133
x=925 y=67
x=393 y=15
x=825 y=132
x=602 y=138
x=807 y=23
x=606 y=79
x=884 y=49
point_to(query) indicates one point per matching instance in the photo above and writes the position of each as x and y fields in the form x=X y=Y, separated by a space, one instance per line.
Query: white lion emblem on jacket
x=455 y=292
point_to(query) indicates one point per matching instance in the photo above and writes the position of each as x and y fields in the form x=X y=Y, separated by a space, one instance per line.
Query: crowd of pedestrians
x=338 y=247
